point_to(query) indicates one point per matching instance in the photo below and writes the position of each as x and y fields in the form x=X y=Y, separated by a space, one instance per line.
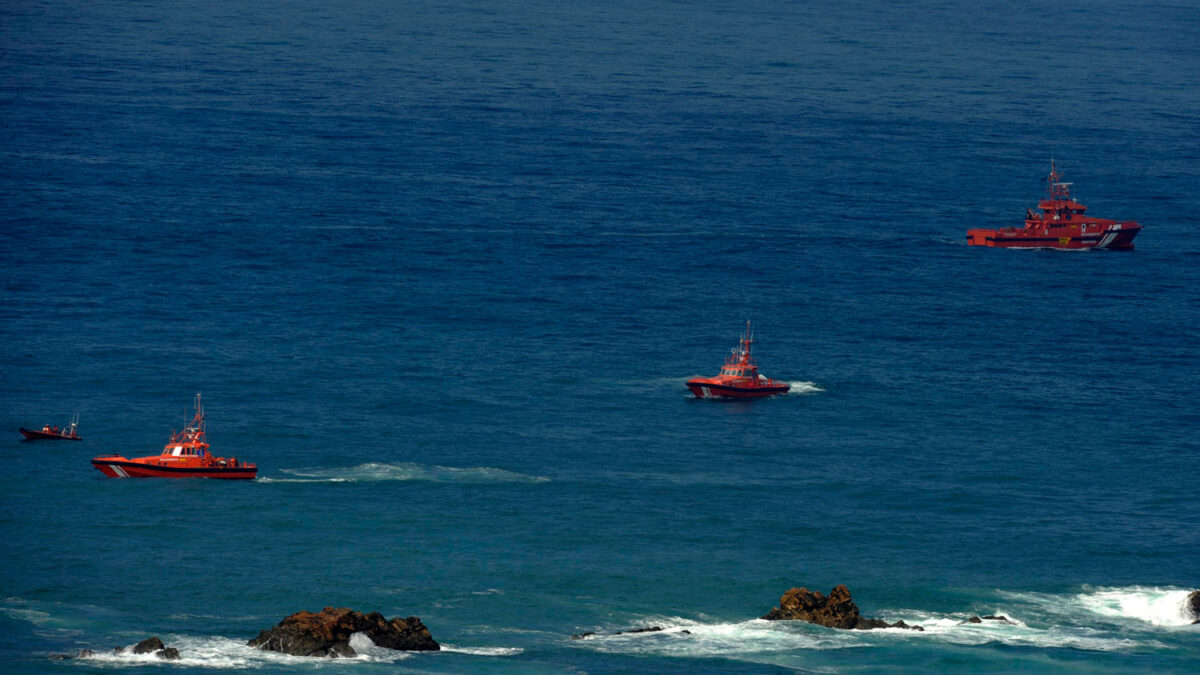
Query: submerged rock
x=328 y=632
x=81 y=654
x=648 y=629
x=1191 y=606
x=836 y=611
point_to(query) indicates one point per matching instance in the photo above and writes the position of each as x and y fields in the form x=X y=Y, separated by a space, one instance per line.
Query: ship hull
x=119 y=467
x=1116 y=237
x=34 y=435
x=702 y=389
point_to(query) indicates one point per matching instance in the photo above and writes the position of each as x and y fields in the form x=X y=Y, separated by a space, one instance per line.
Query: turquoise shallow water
x=442 y=269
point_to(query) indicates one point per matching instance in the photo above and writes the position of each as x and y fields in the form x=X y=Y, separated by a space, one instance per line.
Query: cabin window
x=177 y=451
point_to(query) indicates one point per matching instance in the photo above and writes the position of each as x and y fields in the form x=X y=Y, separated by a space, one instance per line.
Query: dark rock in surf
x=835 y=611
x=648 y=629
x=974 y=619
x=152 y=644
x=997 y=617
x=1191 y=605
x=327 y=633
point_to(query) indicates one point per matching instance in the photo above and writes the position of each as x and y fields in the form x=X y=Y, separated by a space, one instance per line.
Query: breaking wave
x=757 y=638
x=380 y=471
x=483 y=651
x=804 y=388
x=1132 y=605
x=1081 y=621
x=223 y=652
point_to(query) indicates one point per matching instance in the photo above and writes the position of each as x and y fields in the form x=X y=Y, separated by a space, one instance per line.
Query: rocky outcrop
x=151 y=645
x=835 y=611
x=327 y=633
x=801 y=604
x=1191 y=606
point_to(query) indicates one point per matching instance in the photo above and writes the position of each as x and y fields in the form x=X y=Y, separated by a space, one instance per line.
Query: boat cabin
x=184 y=450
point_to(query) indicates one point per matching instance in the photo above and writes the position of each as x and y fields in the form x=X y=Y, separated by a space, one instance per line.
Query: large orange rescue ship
x=1061 y=222
x=739 y=376
x=186 y=455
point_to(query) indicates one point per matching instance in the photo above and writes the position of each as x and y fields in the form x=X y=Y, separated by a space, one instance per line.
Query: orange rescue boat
x=739 y=377
x=186 y=455
x=1061 y=222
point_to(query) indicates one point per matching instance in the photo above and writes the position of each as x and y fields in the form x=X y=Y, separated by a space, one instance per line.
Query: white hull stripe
x=1113 y=231
x=120 y=472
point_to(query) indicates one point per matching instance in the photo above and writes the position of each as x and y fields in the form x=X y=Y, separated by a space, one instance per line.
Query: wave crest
x=803 y=388
x=404 y=471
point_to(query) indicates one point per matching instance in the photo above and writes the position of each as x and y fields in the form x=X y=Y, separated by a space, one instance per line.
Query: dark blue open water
x=442 y=269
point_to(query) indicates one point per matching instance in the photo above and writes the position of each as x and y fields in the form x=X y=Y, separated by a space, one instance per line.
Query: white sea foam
x=483 y=651
x=222 y=652
x=33 y=616
x=804 y=388
x=687 y=638
x=1157 y=606
x=756 y=639
x=1135 y=606
x=403 y=471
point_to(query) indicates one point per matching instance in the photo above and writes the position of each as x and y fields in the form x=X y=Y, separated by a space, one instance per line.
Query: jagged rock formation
x=836 y=611
x=151 y=645
x=328 y=632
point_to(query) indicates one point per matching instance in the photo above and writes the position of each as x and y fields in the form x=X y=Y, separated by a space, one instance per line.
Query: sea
x=442 y=269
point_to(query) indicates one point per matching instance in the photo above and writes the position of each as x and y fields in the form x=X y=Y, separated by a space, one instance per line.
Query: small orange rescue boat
x=53 y=433
x=186 y=455
x=739 y=376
